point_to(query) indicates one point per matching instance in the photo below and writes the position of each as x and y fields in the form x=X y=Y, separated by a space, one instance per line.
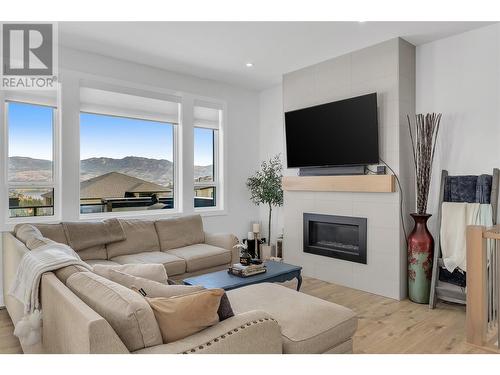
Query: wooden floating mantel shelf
x=360 y=184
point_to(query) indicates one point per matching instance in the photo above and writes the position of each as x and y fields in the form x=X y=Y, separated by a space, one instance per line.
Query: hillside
x=28 y=169
x=159 y=171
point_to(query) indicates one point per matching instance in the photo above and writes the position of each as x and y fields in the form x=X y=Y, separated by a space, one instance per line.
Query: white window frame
x=55 y=184
x=219 y=160
x=176 y=150
x=67 y=203
x=215 y=181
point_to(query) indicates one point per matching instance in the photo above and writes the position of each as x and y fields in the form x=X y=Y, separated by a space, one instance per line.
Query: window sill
x=210 y=211
x=10 y=223
x=145 y=214
x=151 y=215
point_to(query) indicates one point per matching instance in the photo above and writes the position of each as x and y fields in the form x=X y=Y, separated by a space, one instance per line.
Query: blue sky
x=30 y=131
x=118 y=137
x=100 y=136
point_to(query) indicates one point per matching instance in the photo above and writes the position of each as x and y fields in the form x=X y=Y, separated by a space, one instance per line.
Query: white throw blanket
x=454 y=220
x=26 y=285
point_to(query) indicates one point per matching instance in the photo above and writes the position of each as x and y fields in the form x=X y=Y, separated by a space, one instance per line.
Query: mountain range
x=159 y=171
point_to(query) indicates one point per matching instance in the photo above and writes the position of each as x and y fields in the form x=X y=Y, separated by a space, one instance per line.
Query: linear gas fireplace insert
x=341 y=237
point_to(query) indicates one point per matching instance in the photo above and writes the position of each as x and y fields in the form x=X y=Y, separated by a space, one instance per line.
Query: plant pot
x=420 y=259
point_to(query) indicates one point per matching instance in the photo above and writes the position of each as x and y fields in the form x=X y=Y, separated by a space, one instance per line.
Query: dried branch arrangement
x=423 y=141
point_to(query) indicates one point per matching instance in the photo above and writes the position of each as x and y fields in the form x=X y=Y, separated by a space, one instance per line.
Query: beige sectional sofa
x=179 y=244
x=269 y=318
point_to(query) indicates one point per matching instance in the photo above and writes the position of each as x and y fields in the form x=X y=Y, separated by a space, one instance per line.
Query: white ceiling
x=219 y=50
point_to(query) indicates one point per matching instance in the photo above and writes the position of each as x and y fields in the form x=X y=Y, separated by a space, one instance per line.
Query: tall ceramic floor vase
x=420 y=258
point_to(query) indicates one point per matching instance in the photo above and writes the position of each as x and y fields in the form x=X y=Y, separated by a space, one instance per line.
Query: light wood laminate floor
x=9 y=344
x=385 y=325
x=389 y=326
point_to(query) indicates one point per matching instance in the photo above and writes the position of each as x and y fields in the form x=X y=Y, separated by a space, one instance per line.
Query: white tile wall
x=373 y=69
x=374 y=62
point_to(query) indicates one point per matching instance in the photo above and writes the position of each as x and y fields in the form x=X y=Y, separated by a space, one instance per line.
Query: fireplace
x=341 y=237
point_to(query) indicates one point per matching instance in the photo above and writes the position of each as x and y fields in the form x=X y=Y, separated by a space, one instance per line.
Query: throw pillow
x=182 y=316
x=38 y=241
x=25 y=231
x=127 y=312
x=155 y=272
x=150 y=288
x=225 y=310
x=64 y=273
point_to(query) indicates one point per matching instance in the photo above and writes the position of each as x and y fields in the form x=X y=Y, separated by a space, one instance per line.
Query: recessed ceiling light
x=249 y=64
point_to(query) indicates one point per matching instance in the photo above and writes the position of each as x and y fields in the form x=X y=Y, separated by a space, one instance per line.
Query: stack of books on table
x=245 y=271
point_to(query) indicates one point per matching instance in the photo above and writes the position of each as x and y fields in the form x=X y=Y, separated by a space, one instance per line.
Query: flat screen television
x=341 y=133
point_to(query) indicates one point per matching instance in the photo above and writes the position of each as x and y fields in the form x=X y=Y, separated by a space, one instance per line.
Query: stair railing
x=483 y=285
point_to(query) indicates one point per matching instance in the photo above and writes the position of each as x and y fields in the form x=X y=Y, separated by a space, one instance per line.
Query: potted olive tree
x=265 y=187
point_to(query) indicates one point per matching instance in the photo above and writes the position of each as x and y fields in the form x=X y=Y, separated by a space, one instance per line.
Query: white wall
x=242 y=118
x=271 y=141
x=460 y=77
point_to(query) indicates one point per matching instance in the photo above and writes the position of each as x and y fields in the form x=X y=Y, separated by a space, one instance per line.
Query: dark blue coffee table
x=276 y=272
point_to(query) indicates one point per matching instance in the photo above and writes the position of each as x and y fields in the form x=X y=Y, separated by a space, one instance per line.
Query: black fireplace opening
x=341 y=237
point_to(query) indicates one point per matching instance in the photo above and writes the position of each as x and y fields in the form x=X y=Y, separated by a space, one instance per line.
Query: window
x=206 y=156
x=127 y=156
x=31 y=173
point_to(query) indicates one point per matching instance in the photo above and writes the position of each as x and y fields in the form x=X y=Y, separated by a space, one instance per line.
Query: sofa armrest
x=226 y=241
x=252 y=332
x=13 y=252
x=71 y=326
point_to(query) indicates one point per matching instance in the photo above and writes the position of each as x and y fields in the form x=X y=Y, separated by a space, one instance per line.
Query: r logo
x=27 y=49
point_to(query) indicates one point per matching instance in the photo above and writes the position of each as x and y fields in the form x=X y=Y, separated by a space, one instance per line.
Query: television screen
x=340 y=133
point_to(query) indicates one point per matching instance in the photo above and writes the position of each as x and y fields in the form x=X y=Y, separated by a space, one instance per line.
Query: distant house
x=115 y=188
x=118 y=185
x=115 y=191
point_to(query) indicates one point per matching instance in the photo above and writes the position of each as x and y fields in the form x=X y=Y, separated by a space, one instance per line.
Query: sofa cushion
x=105 y=262
x=182 y=316
x=155 y=272
x=53 y=231
x=179 y=232
x=24 y=232
x=37 y=241
x=64 y=273
x=141 y=237
x=125 y=310
x=83 y=235
x=31 y=236
x=173 y=264
x=56 y=233
x=308 y=324
x=151 y=288
x=202 y=256
x=94 y=252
